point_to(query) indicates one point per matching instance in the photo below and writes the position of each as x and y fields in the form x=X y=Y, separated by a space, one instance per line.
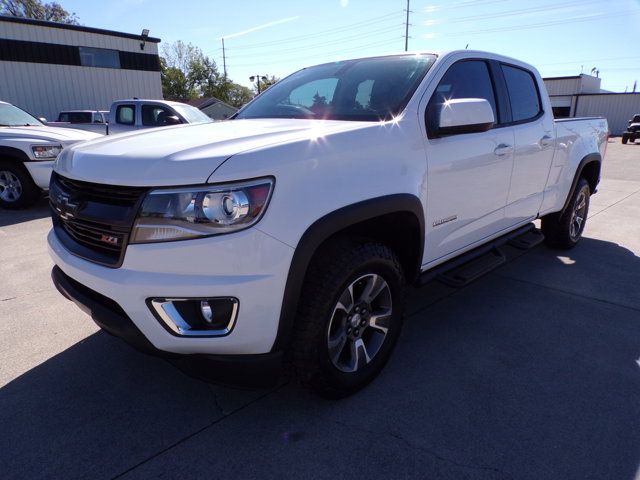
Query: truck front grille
x=92 y=220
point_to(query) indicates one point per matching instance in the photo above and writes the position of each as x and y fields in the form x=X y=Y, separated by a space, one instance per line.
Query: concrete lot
x=532 y=372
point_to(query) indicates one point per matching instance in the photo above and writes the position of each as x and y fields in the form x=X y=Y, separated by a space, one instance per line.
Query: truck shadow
x=507 y=378
x=35 y=212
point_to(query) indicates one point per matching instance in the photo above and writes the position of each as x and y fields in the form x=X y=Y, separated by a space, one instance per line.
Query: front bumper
x=249 y=265
x=254 y=370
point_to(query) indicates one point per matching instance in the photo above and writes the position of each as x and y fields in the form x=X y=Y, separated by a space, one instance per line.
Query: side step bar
x=466 y=268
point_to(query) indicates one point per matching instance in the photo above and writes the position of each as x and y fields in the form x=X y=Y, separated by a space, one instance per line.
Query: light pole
x=257 y=79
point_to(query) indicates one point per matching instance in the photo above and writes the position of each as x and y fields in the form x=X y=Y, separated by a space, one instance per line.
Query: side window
x=155 y=115
x=465 y=79
x=523 y=93
x=126 y=114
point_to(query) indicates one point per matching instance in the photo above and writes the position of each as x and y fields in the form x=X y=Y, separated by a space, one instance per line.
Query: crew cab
x=27 y=151
x=291 y=231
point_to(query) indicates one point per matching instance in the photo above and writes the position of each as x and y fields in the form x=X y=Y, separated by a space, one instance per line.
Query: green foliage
x=187 y=73
x=52 y=12
x=264 y=84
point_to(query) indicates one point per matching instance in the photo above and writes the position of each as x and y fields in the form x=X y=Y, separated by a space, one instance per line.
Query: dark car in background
x=633 y=130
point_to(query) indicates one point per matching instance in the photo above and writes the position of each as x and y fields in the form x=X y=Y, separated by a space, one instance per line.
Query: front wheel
x=17 y=189
x=625 y=139
x=564 y=231
x=349 y=318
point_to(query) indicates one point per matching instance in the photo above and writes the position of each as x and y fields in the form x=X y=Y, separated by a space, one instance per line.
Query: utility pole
x=406 y=30
x=224 y=60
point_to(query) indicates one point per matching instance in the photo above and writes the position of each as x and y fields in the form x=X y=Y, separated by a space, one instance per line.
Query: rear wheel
x=17 y=189
x=349 y=318
x=564 y=231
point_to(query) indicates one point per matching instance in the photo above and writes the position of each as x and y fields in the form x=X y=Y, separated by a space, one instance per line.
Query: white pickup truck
x=27 y=151
x=291 y=231
x=133 y=114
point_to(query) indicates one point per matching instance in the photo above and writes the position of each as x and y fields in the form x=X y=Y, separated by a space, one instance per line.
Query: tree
x=188 y=73
x=52 y=12
x=264 y=84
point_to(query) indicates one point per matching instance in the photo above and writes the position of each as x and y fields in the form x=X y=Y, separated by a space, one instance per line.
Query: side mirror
x=465 y=115
x=172 y=120
x=42 y=119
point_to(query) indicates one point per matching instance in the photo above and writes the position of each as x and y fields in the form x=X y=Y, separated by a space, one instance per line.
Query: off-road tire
x=30 y=193
x=556 y=227
x=331 y=272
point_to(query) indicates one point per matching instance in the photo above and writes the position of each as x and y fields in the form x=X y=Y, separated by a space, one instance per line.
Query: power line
x=510 y=13
x=363 y=23
x=336 y=41
x=325 y=54
x=542 y=24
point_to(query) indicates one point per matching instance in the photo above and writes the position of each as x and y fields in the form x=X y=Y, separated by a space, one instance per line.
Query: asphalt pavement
x=531 y=372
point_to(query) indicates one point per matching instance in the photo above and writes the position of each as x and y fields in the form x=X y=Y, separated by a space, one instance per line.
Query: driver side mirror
x=42 y=120
x=465 y=115
x=172 y=120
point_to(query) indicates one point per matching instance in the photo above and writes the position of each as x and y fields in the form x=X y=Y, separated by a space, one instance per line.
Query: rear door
x=534 y=143
x=468 y=174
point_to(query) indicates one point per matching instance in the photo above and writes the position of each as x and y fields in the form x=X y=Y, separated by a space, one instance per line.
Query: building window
x=99 y=57
x=561 y=112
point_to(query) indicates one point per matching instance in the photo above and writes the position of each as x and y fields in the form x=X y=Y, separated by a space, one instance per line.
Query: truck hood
x=184 y=154
x=64 y=136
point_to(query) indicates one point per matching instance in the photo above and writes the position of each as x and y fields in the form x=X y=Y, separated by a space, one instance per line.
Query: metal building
x=46 y=67
x=581 y=96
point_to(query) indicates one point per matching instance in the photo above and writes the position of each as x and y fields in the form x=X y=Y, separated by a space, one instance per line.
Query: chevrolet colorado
x=290 y=232
x=27 y=151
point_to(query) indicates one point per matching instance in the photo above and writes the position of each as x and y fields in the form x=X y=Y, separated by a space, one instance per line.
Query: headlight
x=46 y=152
x=181 y=213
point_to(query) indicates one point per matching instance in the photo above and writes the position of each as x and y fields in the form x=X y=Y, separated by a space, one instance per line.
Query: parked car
x=27 y=152
x=90 y=120
x=292 y=230
x=633 y=130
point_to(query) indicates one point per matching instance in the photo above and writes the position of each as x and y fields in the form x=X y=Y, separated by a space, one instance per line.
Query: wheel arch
x=389 y=219
x=12 y=153
x=589 y=169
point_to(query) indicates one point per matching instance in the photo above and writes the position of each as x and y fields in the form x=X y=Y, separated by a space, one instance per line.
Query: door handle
x=503 y=149
x=546 y=141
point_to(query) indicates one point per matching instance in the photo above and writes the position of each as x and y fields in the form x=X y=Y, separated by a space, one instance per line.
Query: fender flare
x=324 y=228
x=13 y=154
x=590 y=158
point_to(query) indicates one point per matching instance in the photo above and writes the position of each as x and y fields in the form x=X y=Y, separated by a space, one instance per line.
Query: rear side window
x=523 y=93
x=125 y=114
x=465 y=79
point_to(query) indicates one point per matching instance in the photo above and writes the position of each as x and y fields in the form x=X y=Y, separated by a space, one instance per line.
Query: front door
x=468 y=174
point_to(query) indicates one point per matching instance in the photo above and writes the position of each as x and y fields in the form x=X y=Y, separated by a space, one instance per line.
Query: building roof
x=77 y=28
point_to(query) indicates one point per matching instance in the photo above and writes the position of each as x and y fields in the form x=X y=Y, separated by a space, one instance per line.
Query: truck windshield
x=191 y=114
x=370 y=89
x=11 y=116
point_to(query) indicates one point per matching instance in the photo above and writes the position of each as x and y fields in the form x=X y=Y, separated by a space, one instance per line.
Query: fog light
x=207 y=311
x=196 y=317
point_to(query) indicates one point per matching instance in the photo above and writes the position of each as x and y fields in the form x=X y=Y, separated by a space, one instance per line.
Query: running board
x=470 y=266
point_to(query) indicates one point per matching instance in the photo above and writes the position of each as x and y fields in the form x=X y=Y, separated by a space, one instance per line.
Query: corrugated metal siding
x=46 y=89
x=616 y=108
x=562 y=86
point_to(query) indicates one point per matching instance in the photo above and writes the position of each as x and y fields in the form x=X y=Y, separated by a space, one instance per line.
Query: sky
x=278 y=37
